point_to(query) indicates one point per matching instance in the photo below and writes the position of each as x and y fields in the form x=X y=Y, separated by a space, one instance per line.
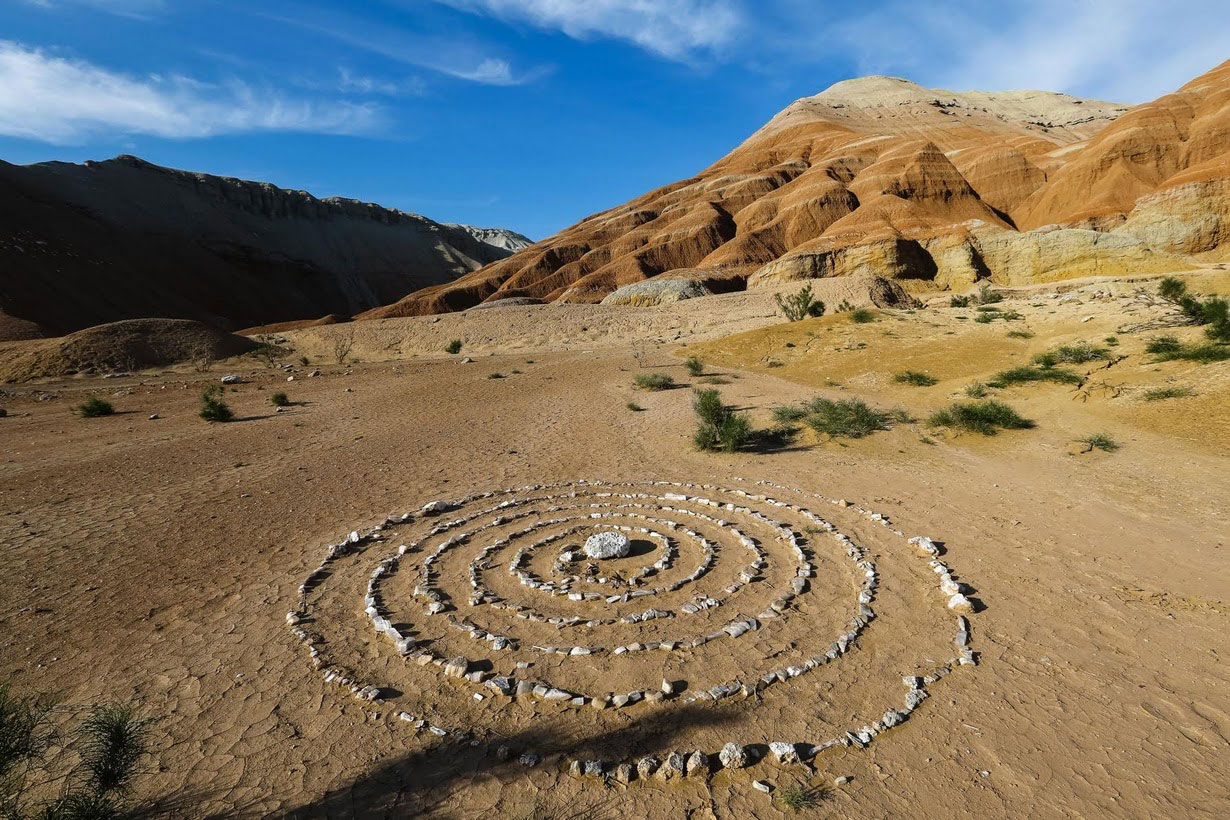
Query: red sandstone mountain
x=881 y=176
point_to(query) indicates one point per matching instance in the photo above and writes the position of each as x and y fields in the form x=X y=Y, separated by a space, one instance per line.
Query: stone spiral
x=741 y=594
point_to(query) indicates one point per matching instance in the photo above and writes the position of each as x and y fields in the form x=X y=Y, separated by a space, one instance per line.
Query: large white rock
x=607 y=545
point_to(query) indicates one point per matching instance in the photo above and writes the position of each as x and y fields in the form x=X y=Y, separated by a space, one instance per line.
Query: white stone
x=607 y=545
x=733 y=756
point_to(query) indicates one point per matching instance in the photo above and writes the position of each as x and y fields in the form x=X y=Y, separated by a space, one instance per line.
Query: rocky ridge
x=124 y=238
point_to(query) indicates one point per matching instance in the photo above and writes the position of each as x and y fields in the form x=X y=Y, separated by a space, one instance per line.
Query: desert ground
x=155 y=560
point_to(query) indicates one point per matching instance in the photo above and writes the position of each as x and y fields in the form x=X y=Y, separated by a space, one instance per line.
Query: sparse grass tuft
x=1025 y=373
x=915 y=378
x=453 y=347
x=862 y=316
x=715 y=380
x=634 y=407
x=976 y=390
x=796 y=798
x=495 y=375
x=280 y=400
x=1112 y=341
x=1071 y=354
x=1020 y=334
x=94 y=407
x=1162 y=393
x=1169 y=348
x=694 y=365
x=985 y=417
x=959 y=301
x=213 y=408
x=1100 y=441
x=653 y=381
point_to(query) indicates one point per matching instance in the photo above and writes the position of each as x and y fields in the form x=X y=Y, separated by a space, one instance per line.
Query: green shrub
x=719 y=427
x=1160 y=393
x=984 y=318
x=799 y=305
x=844 y=417
x=213 y=408
x=495 y=375
x=694 y=366
x=1024 y=374
x=986 y=296
x=94 y=407
x=453 y=347
x=977 y=390
x=1214 y=311
x=985 y=417
x=862 y=316
x=1100 y=441
x=959 y=301
x=634 y=407
x=109 y=744
x=1112 y=341
x=1020 y=334
x=279 y=400
x=915 y=378
x=653 y=381
x=1171 y=289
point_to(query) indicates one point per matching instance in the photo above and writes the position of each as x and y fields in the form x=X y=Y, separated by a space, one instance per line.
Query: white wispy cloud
x=124 y=8
x=63 y=100
x=452 y=54
x=1122 y=50
x=676 y=29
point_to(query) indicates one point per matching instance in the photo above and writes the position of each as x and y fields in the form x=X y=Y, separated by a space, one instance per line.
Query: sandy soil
x=155 y=560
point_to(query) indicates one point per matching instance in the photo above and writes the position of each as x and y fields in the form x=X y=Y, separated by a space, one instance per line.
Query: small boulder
x=607 y=545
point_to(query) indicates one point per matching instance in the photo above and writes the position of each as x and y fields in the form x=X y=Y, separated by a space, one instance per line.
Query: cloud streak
x=675 y=29
x=60 y=100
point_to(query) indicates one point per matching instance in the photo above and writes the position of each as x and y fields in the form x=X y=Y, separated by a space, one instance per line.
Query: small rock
x=624 y=773
x=784 y=752
x=232 y=378
x=733 y=756
x=456 y=668
x=697 y=763
x=843 y=780
x=503 y=753
x=152 y=416
x=529 y=759
x=761 y=786
x=290 y=378
x=647 y=766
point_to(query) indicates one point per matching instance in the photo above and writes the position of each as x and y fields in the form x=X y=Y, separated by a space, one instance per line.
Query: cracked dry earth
x=157 y=561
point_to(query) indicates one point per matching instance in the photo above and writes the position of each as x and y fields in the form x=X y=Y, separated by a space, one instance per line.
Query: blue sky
x=527 y=114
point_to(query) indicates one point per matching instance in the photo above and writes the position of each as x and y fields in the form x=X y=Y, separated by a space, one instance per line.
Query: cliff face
x=85 y=244
x=932 y=187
